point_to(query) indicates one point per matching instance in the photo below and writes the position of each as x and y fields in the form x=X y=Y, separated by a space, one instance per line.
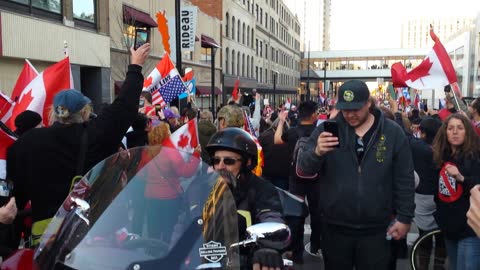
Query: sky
x=375 y=24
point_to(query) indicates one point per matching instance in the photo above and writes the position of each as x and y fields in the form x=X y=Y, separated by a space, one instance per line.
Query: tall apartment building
x=415 y=31
x=327 y=11
x=261 y=45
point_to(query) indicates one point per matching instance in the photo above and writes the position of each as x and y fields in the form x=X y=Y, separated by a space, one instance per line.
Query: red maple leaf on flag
x=183 y=142
x=421 y=70
x=22 y=105
x=147 y=82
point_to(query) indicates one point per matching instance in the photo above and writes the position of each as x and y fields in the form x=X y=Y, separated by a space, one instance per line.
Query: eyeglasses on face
x=226 y=160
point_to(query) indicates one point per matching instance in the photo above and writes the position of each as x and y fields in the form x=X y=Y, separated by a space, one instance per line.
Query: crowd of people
x=364 y=186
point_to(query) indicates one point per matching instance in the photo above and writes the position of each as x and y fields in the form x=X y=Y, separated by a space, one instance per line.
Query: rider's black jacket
x=257 y=201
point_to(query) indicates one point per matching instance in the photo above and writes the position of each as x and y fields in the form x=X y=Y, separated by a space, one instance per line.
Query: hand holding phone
x=332 y=127
x=328 y=140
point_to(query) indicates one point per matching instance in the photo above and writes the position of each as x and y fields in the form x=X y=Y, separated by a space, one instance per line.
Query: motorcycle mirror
x=81 y=209
x=268 y=234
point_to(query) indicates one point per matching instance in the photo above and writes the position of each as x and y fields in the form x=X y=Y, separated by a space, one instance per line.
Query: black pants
x=344 y=249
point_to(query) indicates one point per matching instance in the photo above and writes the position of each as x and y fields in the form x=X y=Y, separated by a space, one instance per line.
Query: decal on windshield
x=213 y=251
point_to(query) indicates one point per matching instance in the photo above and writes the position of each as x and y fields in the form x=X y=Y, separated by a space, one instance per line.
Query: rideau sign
x=188 y=27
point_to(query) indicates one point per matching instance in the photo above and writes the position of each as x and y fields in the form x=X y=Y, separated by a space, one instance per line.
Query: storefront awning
x=208 y=42
x=207 y=90
x=138 y=18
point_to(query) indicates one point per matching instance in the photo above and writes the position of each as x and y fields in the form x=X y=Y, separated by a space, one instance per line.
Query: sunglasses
x=226 y=160
x=361 y=148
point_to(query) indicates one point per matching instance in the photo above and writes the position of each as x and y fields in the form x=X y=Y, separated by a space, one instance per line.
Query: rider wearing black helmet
x=233 y=150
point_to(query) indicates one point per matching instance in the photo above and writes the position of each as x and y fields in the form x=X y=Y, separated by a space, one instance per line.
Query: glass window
x=50 y=5
x=21 y=1
x=206 y=55
x=84 y=10
x=130 y=32
x=187 y=55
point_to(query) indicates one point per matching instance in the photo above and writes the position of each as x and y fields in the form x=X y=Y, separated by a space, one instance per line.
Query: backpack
x=300 y=146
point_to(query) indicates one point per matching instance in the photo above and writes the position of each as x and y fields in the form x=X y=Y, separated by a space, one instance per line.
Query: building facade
x=415 y=31
x=261 y=47
x=38 y=30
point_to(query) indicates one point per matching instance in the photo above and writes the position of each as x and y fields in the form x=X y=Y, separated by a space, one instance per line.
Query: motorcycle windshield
x=144 y=208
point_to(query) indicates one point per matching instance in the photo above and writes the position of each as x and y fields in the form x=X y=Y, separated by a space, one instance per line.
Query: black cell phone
x=141 y=37
x=332 y=127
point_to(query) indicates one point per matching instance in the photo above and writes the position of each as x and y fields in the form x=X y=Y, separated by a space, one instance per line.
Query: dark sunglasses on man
x=226 y=160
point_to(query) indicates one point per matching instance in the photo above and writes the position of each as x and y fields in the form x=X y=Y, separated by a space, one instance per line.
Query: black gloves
x=267 y=257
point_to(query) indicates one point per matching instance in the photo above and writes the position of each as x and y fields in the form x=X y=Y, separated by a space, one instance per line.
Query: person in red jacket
x=165 y=167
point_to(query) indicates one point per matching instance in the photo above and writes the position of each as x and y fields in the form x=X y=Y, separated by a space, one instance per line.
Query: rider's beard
x=229 y=177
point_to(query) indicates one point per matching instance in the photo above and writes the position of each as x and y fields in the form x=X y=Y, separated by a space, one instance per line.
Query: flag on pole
x=235 y=90
x=189 y=74
x=416 y=101
x=248 y=127
x=157 y=98
x=435 y=71
x=185 y=138
x=38 y=95
x=164 y=82
x=391 y=91
x=27 y=74
x=5 y=141
x=191 y=89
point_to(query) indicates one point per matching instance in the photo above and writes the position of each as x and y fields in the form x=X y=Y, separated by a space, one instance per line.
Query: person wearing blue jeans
x=463 y=254
x=456 y=151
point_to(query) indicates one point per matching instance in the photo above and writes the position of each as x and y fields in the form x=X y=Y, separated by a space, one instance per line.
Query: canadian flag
x=435 y=71
x=5 y=141
x=185 y=138
x=38 y=95
x=27 y=74
x=5 y=104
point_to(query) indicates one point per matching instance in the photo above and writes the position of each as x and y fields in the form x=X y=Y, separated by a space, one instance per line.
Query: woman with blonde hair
x=165 y=167
x=456 y=151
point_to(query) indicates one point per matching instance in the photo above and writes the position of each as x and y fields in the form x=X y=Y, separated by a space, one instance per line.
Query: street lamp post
x=213 y=50
x=274 y=89
x=308 y=73
x=324 y=77
x=178 y=48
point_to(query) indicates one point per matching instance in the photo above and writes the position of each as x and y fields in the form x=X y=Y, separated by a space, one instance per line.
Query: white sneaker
x=318 y=254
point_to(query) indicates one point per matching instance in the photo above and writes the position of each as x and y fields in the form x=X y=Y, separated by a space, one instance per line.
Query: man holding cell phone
x=365 y=174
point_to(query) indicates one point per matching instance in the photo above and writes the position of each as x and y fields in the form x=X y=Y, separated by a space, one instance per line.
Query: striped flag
x=157 y=98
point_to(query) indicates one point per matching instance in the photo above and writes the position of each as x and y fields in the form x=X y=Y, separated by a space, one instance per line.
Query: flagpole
x=455 y=98
x=7 y=130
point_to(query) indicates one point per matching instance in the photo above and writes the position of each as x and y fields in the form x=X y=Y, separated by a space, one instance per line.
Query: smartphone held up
x=331 y=126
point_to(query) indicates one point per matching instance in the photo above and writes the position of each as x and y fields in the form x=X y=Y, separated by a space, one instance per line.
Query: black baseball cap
x=352 y=95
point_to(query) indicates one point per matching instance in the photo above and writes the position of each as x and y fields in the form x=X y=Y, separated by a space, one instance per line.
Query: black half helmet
x=236 y=140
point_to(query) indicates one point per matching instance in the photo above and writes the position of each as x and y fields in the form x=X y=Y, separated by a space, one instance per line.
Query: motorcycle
x=147 y=208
